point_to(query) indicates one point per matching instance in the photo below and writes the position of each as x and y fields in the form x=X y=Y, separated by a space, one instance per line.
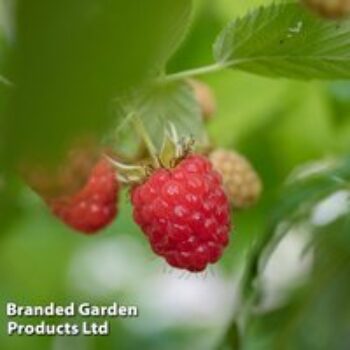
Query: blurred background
x=281 y=126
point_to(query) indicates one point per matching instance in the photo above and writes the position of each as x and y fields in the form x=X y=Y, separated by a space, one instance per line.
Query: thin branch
x=195 y=72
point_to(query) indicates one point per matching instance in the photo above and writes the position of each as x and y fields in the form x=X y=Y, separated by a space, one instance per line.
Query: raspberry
x=205 y=98
x=94 y=206
x=329 y=8
x=67 y=177
x=241 y=183
x=185 y=213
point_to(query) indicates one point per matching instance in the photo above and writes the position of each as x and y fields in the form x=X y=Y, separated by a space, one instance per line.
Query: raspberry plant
x=145 y=118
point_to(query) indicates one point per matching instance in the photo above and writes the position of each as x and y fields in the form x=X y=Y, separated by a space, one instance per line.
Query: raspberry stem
x=195 y=72
x=142 y=132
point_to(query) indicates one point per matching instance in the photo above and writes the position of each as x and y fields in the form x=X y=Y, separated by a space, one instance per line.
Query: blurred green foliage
x=278 y=124
x=71 y=58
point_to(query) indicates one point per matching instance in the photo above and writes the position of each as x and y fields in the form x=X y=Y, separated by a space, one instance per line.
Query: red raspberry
x=67 y=175
x=94 y=206
x=185 y=213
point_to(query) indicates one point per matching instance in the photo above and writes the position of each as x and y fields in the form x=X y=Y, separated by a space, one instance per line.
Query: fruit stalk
x=142 y=132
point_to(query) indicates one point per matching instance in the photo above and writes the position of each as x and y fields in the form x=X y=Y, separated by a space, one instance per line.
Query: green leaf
x=163 y=104
x=173 y=103
x=304 y=318
x=294 y=205
x=71 y=57
x=176 y=30
x=300 y=196
x=285 y=40
x=339 y=99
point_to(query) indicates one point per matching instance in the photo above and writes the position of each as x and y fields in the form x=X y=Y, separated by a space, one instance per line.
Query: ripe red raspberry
x=94 y=206
x=185 y=213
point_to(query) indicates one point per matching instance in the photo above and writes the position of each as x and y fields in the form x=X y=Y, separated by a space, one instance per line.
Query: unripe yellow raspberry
x=333 y=9
x=241 y=182
x=205 y=98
